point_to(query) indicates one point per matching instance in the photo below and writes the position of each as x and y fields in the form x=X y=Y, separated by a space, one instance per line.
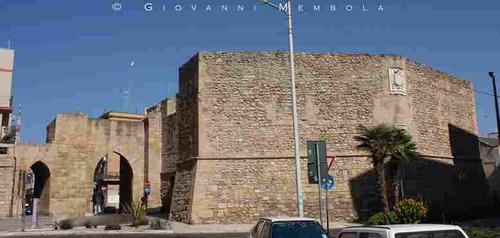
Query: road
x=145 y=235
x=200 y=235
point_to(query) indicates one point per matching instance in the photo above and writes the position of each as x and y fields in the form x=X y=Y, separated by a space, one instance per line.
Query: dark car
x=287 y=228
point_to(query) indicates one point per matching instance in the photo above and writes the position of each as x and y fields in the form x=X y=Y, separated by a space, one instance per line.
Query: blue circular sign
x=328 y=182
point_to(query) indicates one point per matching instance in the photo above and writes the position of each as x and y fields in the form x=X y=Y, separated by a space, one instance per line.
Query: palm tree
x=385 y=142
x=403 y=150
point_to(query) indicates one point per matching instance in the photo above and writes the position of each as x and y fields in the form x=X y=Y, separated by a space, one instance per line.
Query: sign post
x=147 y=191
x=317 y=170
x=319 y=185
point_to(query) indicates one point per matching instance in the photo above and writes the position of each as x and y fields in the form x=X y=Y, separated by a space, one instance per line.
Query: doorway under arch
x=113 y=178
x=41 y=189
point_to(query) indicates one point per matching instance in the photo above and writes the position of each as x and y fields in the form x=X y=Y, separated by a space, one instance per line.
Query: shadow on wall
x=365 y=194
x=454 y=189
x=475 y=197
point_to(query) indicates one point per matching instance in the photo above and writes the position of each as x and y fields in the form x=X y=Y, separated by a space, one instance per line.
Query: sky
x=97 y=55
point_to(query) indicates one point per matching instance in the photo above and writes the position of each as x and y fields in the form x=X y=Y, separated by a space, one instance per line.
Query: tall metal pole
x=298 y=180
x=492 y=76
x=320 y=198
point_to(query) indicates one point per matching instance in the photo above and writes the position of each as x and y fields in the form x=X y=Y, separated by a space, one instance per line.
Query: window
x=448 y=234
x=297 y=229
x=264 y=231
x=431 y=234
x=256 y=228
x=414 y=235
x=369 y=235
x=348 y=235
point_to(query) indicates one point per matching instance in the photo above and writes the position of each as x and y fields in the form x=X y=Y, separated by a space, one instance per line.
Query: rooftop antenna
x=8 y=43
x=18 y=125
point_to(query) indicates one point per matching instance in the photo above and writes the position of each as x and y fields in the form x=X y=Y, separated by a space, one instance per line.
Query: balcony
x=6 y=103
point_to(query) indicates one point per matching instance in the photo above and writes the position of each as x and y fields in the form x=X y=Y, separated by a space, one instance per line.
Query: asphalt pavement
x=137 y=235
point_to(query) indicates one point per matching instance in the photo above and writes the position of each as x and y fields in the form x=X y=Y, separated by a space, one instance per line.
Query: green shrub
x=157 y=224
x=88 y=224
x=143 y=221
x=113 y=227
x=66 y=224
x=410 y=211
x=136 y=212
x=481 y=232
x=383 y=219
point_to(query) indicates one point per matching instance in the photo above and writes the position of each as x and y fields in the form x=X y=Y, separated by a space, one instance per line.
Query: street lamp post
x=298 y=180
x=492 y=76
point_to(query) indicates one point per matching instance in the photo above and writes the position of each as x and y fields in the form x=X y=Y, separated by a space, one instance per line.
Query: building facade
x=6 y=133
x=234 y=157
x=222 y=151
x=6 y=68
x=87 y=162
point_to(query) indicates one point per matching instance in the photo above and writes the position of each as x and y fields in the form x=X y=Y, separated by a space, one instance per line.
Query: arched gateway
x=40 y=192
x=112 y=181
x=86 y=161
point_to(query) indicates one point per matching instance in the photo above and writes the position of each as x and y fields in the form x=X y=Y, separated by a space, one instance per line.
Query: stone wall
x=439 y=101
x=243 y=190
x=187 y=141
x=187 y=111
x=153 y=151
x=234 y=114
x=72 y=156
x=6 y=173
x=182 y=198
x=169 y=155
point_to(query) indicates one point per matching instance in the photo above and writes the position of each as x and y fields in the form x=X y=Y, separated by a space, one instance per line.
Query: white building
x=6 y=67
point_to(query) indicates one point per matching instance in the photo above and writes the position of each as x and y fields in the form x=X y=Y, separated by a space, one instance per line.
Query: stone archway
x=41 y=189
x=113 y=178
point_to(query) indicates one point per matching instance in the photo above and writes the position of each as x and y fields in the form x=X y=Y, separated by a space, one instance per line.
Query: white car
x=287 y=228
x=403 y=231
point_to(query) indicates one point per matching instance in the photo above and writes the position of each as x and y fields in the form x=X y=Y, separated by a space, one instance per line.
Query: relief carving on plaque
x=397 y=81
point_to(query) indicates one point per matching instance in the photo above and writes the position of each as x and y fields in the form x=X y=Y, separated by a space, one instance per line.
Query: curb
x=52 y=232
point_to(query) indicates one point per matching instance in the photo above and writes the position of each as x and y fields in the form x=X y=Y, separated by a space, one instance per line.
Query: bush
x=157 y=224
x=410 y=211
x=481 y=232
x=88 y=224
x=143 y=222
x=66 y=224
x=383 y=219
x=137 y=211
x=113 y=227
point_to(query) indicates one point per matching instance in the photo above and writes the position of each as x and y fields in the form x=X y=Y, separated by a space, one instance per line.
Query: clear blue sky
x=76 y=55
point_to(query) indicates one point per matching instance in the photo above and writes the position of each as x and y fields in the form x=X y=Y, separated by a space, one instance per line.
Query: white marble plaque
x=397 y=81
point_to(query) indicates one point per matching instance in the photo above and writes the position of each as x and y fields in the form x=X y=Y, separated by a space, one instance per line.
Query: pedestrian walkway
x=12 y=226
x=16 y=223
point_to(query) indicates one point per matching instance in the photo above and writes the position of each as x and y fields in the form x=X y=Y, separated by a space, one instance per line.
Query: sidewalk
x=177 y=228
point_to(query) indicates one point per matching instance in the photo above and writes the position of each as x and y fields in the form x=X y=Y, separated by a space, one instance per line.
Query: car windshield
x=297 y=229
x=431 y=234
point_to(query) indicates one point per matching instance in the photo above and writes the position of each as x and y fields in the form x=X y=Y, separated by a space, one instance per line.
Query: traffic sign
x=316 y=150
x=147 y=187
x=328 y=183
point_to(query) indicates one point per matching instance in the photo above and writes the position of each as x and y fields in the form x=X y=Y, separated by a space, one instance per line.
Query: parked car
x=287 y=228
x=403 y=231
